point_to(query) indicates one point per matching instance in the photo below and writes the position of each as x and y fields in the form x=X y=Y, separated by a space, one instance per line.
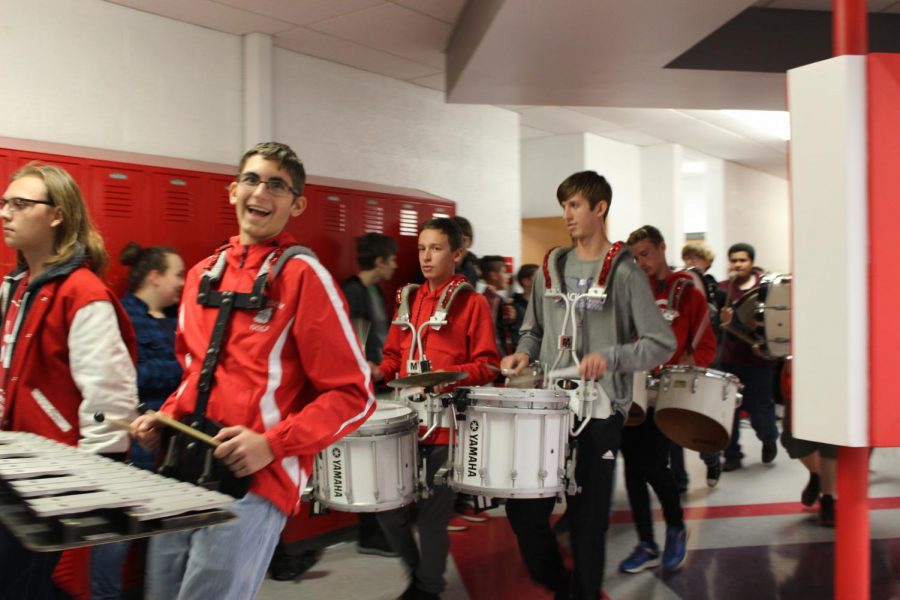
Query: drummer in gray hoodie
x=618 y=329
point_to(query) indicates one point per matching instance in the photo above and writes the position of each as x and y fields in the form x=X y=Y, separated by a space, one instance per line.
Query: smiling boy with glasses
x=290 y=379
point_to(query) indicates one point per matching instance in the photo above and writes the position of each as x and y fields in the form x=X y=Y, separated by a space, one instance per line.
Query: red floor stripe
x=700 y=513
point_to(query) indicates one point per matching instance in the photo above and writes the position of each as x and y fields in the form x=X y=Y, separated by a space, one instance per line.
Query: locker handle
x=120 y=176
x=178 y=182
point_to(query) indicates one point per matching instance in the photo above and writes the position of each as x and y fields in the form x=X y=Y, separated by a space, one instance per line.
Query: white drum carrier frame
x=510 y=443
x=373 y=469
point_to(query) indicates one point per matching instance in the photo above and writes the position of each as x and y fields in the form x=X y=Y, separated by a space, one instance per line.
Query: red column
x=852 y=578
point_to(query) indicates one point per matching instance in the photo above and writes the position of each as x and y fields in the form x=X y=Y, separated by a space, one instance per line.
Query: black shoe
x=285 y=567
x=377 y=545
x=826 y=511
x=412 y=592
x=681 y=488
x=811 y=492
x=769 y=452
x=731 y=464
x=713 y=472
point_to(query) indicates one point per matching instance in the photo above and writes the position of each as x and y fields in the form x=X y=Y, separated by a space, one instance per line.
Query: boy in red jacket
x=465 y=343
x=290 y=380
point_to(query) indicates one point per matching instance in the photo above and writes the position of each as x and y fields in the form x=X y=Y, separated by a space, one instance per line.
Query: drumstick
x=732 y=275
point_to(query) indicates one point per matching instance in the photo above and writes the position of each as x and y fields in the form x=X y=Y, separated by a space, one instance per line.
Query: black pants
x=588 y=511
x=25 y=575
x=646 y=453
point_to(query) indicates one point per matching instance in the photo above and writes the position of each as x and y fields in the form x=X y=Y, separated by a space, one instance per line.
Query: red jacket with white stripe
x=293 y=371
x=691 y=326
x=466 y=343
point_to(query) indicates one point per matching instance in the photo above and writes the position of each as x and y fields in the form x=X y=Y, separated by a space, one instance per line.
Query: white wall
x=546 y=162
x=356 y=125
x=621 y=165
x=97 y=75
x=757 y=212
x=92 y=73
x=661 y=203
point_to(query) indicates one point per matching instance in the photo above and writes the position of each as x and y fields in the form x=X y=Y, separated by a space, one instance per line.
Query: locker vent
x=440 y=215
x=226 y=215
x=118 y=198
x=373 y=219
x=178 y=206
x=335 y=214
x=409 y=222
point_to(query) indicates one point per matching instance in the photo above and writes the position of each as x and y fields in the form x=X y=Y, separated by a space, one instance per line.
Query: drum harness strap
x=209 y=295
x=436 y=321
x=555 y=287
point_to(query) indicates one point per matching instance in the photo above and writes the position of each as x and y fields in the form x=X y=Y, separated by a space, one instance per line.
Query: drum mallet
x=165 y=420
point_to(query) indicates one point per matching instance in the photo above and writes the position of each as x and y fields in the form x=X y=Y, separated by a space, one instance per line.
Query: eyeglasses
x=19 y=204
x=276 y=187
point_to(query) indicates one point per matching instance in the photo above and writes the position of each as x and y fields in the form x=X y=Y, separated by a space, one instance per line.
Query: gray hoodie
x=629 y=331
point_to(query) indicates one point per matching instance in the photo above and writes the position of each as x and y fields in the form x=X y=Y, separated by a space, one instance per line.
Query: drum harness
x=183 y=458
x=417 y=348
x=586 y=393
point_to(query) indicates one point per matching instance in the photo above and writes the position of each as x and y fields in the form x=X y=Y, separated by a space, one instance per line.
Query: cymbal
x=429 y=379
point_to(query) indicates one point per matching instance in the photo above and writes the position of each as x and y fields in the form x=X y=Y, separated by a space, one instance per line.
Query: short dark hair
x=372 y=246
x=491 y=263
x=526 y=271
x=647 y=232
x=742 y=247
x=143 y=261
x=448 y=227
x=286 y=158
x=464 y=226
x=589 y=184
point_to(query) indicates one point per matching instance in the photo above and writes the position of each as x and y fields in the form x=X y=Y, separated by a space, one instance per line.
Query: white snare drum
x=775 y=306
x=512 y=444
x=695 y=407
x=643 y=396
x=373 y=469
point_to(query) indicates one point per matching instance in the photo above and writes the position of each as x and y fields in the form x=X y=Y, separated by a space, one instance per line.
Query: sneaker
x=731 y=464
x=811 y=492
x=826 y=511
x=675 y=550
x=644 y=556
x=713 y=472
x=769 y=452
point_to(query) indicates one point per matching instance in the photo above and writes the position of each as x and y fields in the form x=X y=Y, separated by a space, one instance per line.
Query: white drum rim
x=691 y=369
x=361 y=508
x=380 y=427
x=477 y=490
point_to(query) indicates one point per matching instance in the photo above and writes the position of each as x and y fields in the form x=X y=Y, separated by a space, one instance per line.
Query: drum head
x=692 y=430
x=746 y=316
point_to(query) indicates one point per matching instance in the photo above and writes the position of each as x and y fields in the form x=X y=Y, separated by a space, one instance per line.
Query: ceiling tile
x=630 y=136
x=529 y=133
x=338 y=50
x=302 y=12
x=445 y=10
x=438 y=81
x=561 y=120
x=209 y=14
x=393 y=29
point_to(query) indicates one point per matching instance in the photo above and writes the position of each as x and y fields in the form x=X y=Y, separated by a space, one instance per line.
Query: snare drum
x=775 y=306
x=643 y=396
x=511 y=444
x=695 y=407
x=374 y=468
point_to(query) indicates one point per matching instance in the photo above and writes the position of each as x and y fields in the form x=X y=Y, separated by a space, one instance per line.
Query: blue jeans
x=758 y=403
x=225 y=562
x=107 y=562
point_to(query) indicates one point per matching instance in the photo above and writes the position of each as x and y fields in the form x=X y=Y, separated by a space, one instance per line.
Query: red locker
x=221 y=220
x=7 y=256
x=120 y=208
x=180 y=214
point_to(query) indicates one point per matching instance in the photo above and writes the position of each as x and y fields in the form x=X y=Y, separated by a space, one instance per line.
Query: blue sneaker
x=675 y=550
x=644 y=556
